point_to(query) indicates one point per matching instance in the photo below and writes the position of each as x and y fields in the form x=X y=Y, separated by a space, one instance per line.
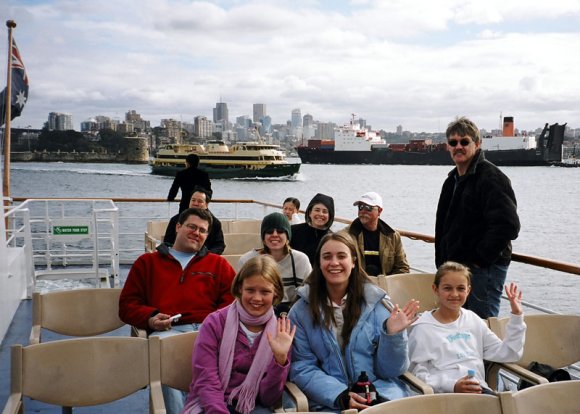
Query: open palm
x=282 y=341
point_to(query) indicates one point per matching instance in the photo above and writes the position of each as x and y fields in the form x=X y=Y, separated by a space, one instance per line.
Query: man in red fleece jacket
x=183 y=279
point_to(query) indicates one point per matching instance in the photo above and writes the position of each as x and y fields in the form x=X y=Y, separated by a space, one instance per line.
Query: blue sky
x=415 y=63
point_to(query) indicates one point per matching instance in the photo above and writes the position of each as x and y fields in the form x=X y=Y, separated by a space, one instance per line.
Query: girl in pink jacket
x=241 y=355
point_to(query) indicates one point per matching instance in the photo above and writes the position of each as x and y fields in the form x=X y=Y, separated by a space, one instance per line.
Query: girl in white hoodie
x=450 y=341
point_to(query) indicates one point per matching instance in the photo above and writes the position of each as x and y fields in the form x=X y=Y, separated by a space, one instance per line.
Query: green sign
x=70 y=230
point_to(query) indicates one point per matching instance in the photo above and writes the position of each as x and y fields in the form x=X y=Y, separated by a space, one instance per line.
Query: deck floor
x=19 y=332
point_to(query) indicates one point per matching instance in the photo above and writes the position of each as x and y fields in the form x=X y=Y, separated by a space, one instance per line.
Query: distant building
x=325 y=130
x=90 y=125
x=172 y=129
x=202 y=127
x=125 y=128
x=399 y=129
x=244 y=121
x=60 y=122
x=138 y=122
x=221 y=115
x=266 y=127
x=309 y=128
x=296 y=120
x=259 y=112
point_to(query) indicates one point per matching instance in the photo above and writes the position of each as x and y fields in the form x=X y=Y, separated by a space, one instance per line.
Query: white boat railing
x=66 y=236
x=134 y=213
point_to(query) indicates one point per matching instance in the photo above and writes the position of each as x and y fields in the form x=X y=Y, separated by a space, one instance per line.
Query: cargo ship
x=242 y=160
x=355 y=145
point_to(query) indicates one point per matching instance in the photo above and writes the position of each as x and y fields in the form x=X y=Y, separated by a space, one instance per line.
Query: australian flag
x=19 y=87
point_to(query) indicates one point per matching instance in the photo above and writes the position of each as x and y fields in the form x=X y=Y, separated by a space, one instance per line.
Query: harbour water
x=548 y=199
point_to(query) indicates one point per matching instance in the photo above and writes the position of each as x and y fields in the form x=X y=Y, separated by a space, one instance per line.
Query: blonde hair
x=264 y=266
x=451 y=267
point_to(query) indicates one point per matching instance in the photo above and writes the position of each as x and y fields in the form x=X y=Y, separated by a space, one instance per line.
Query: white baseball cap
x=371 y=198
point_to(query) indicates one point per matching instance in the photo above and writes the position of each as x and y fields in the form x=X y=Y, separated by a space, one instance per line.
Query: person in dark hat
x=319 y=218
x=294 y=265
x=187 y=179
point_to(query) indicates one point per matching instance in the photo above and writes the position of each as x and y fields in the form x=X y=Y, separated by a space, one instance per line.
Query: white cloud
x=412 y=62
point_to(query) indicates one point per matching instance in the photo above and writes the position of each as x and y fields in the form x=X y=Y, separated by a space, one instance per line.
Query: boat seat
x=80 y=312
x=154 y=234
x=244 y=226
x=408 y=377
x=554 y=397
x=77 y=372
x=170 y=364
x=233 y=260
x=406 y=286
x=240 y=243
x=440 y=404
x=550 y=339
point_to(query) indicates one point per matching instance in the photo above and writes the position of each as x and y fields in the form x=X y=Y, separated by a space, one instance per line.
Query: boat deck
x=19 y=332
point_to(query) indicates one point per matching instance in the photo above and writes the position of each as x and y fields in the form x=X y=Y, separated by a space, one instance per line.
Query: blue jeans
x=175 y=399
x=486 y=289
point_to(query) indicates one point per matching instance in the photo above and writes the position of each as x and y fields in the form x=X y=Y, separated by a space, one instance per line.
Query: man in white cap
x=379 y=245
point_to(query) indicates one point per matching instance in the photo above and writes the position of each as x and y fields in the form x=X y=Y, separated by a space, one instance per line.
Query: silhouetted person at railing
x=187 y=179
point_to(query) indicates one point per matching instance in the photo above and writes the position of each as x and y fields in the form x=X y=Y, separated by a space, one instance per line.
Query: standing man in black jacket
x=187 y=179
x=476 y=218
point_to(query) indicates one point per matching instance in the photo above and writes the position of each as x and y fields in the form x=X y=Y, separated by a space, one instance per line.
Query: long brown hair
x=318 y=295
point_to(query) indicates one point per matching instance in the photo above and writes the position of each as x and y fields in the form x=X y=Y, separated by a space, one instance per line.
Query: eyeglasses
x=279 y=231
x=464 y=142
x=194 y=228
x=365 y=207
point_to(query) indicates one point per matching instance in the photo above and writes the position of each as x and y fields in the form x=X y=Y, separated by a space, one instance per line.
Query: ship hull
x=233 y=171
x=388 y=157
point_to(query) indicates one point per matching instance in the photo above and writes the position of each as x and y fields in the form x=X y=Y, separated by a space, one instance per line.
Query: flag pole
x=11 y=24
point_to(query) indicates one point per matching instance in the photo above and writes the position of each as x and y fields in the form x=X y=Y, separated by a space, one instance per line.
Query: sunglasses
x=365 y=207
x=464 y=142
x=279 y=231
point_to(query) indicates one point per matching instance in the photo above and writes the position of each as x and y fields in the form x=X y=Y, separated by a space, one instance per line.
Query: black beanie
x=275 y=221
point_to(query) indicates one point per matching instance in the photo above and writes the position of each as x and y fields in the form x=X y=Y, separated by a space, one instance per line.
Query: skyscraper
x=296 y=120
x=221 y=115
x=59 y=122
x=259 y=112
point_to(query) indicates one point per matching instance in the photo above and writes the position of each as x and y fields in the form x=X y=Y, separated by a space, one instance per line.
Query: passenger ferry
x=242 y=160
x=93 y=242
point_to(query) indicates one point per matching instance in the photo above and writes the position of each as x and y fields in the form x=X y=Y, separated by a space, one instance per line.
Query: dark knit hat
x=275 y=221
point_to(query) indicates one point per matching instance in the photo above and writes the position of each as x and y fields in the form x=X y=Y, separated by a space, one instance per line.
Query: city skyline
x=418 y=64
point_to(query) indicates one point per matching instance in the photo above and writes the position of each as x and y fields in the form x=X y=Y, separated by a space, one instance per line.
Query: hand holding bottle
x=468 y=384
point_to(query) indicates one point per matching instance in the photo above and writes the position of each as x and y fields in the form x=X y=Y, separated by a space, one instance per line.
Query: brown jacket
x=391 y=252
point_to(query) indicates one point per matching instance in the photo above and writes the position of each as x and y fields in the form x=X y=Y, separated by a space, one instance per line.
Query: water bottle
x=365 y=388
x=471 y=373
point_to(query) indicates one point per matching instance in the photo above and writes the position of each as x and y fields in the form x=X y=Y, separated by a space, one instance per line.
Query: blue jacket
x=322 y=374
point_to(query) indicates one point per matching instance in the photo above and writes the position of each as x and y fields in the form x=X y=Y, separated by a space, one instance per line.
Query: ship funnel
x=508 y=126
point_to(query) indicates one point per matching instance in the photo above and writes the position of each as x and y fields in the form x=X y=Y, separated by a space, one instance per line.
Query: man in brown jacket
x=379 y=245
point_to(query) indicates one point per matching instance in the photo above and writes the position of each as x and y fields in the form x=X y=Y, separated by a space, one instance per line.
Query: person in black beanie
x=319 y=218
x=294 y=266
